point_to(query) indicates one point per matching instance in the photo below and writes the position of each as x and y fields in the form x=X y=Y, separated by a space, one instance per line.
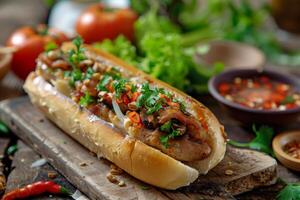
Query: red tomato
x=96 y=24
x=30 y=42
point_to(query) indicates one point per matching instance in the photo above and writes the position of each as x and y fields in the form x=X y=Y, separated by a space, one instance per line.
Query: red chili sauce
x=260 y=93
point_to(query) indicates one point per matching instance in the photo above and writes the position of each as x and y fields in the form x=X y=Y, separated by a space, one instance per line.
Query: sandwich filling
x=133 y=104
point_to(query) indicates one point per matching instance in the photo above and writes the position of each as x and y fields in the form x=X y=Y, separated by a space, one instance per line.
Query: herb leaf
x=89 y=73
x=12 y=149
x=166 y=127
x=290 y=192
x=3 y=128
x=50 y=46
x=262 y=141
x=101 y=86
x=287 y=100
x=164 y=140
x=119 y=87
x=75 y=75
x=77 y=55
x=86 y=100
x=170 y=133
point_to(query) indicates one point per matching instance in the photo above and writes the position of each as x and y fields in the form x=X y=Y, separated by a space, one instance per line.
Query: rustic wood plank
x=22 y=173
x=250 y=168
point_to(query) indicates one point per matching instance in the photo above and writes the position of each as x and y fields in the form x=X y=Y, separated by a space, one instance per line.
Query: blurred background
x=248 y=34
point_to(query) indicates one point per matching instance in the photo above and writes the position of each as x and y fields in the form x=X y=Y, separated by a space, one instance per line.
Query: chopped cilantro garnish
x=89 y=73
x=50 y=46
x=145 y=94
x=75 y=75
x=166 y=127
x=133 y=88
x=164 y=139
x=114 y=73
x=154 y=109
x=101 y=86
x=77 y=55
x=119 y=87
x=170 y=133
x=86 y=100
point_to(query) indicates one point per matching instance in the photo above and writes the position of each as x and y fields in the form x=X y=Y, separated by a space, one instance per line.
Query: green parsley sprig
x=119 y=86
x=262 y=141
x=3 y=128
x=290 y=192
x=50 y=46
x=86 y=100
x=170 y=133
x=77 y=55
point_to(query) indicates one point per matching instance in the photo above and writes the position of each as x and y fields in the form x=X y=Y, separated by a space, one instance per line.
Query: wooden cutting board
x=240 y=171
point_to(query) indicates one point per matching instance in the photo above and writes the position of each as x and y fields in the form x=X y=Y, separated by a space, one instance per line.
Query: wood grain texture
x=23 y=174
x=250 y=168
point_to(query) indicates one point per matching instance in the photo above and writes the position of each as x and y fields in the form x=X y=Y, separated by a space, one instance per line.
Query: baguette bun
x=136 y=158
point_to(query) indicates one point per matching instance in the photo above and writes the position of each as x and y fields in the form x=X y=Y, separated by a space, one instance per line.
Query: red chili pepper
x=134 y=97
x=135 y=118
x=35 y=189
x=124 y=99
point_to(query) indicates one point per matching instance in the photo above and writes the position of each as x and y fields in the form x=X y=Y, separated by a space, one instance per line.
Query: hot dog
x=151 y=130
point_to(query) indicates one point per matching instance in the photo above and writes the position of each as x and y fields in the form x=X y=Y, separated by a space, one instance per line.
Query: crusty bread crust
x=136 y=158
x=133 y=156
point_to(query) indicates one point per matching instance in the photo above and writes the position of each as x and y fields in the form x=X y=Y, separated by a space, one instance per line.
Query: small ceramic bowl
x=232 y=55
x=5 y=60
x=248 y=115
x=278 y=144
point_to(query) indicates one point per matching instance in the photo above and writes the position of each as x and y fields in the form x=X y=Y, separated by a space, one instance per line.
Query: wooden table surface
x=21 y=173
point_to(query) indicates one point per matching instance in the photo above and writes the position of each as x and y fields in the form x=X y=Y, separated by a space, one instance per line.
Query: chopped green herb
x=262 y=141
x=75 y=75
x=86 y=100
x=119 y=87
x=50 y=46
x=12 y=149
x=287 y=100
x=133 y=88
x=166 y=127
x=290 y=192
x=3 y=128
x=170 y=133
x=101 y=86
x=89 y=73
x=77 y=55
x=164 y=140
x=154 y=108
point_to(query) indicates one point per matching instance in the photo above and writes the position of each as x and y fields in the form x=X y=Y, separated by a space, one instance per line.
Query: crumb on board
x=52 y=175
x=83 y=164
x=229 y=172
x=113 y=179
x=115 y=170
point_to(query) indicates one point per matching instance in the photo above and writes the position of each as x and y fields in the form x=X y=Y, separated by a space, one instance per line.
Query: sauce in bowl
x=293 y=149
x=260 y=93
